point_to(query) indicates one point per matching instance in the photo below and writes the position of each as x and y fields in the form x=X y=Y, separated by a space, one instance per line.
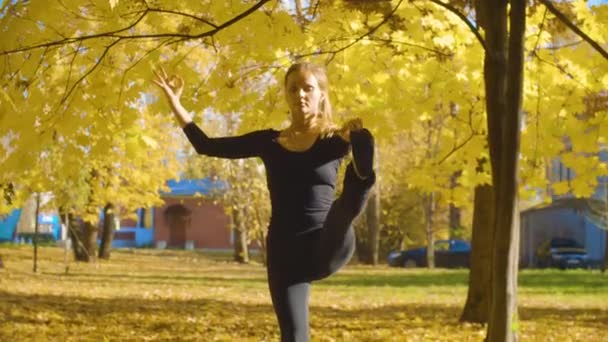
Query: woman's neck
x=303 y=129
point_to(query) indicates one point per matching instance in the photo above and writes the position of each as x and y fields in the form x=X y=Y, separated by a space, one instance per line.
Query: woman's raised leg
x=337 y=242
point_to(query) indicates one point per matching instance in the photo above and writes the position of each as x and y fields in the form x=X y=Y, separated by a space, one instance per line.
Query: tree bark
x=429 y=210
x=74 y=234
x=503 y=76
x=90 y=241
x=8 y=191
x=107 y=235
x=363 y=251
x=373 y=224
x=241 y=251
x=36 y=232
x=27 y=219
x=477 y=306
x=605 y=263
x=454 y=212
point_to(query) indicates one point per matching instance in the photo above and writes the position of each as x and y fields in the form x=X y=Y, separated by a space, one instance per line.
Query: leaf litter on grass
x=181 y=295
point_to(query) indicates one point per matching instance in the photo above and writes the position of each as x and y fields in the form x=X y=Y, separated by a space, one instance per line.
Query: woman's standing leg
x=289 y=285
x=290 y=302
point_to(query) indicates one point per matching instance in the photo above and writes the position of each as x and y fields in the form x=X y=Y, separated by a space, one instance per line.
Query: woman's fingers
x=172 y=85
x=163 y=73
x=354 y=124
x=180 y=81
x=159 y=78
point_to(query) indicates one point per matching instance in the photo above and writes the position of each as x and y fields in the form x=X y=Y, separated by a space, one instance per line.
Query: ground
x=184 y=295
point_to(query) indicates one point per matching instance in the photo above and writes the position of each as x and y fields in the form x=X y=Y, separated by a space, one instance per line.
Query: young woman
x=310 y=234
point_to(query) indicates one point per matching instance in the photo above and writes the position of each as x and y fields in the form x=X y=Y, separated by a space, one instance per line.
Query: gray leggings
x=294 y=263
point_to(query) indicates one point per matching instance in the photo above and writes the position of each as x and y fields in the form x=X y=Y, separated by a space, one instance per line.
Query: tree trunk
x=241 y=251
x=455 y=224
x=503 y=76
x=429 y=209
x=36 y=232
x=27 y=219
x=454 y=213
x=107 y=235
x=90 y=241
x=373 y=225
x=74 y=234
x=605 y=263
x=8 y=191
x=363 y=250
x=477 y=306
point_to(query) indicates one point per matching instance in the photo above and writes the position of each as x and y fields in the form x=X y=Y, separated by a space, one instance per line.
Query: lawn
x=180 y=295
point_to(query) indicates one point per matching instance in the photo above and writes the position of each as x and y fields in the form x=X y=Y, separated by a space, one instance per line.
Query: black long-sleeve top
x=301 y=184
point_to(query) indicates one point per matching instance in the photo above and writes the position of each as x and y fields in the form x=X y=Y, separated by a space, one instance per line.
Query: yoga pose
x=310 y=235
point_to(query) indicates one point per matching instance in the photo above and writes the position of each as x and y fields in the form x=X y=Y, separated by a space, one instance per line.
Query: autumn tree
x=391 y=63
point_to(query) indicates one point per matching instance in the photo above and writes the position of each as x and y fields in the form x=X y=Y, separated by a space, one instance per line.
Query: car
x=448 y=253
x=562 y=253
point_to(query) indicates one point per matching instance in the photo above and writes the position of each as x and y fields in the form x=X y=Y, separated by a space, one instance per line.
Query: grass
x=180 y=295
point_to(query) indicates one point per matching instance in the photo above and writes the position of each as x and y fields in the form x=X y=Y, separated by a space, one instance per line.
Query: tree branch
x=75 y=39
x=392 y=41
x=358 y=39
x=115 y=34
x=463 y=18
x=126 y=71
x=99 y=60
x=65 y=91
x=573 y=27
x=160 y=10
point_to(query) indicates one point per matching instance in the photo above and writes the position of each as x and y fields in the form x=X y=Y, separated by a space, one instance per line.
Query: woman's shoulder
x=336 y=143
x=264 y=133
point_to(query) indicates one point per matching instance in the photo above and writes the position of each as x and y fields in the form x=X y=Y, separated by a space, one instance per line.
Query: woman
x=310 y=234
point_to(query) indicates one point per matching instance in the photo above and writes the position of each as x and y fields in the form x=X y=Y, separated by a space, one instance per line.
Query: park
x=295 y=170
x=183 y=295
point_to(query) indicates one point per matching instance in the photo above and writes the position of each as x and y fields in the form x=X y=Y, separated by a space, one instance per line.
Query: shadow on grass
x=547 y=282
x=114 y=318
x=168 y=279
x=405 y=279
x=550 y=281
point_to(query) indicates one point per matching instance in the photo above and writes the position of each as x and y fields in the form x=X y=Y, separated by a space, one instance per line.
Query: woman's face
x=304 y=97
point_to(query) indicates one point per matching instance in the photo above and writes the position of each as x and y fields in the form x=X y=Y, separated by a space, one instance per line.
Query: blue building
x=138 y=232
x=581 y=219
x=49 y=227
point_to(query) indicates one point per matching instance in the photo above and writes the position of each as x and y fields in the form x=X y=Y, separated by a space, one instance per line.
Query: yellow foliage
x=416 y=82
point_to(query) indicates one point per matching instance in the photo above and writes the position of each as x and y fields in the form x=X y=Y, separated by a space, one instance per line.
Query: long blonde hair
x=328 y=127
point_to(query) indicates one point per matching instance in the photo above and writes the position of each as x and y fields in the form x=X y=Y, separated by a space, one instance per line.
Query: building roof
x=587 y=206
x=191 y=187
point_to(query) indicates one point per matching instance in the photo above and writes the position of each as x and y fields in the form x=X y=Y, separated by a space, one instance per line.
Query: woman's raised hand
x=173 y=85
x=349 y=126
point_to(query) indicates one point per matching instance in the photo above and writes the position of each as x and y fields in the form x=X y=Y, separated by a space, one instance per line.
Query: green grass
x=178 y=295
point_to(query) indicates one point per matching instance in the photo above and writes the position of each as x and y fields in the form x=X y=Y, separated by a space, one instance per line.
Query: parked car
x=448 y=253
x=562 y=253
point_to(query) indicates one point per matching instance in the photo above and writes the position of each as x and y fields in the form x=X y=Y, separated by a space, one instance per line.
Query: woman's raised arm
x=244 y=146
x=173 y=86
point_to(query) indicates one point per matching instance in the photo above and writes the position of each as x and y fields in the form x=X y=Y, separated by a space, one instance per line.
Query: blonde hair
x=328 y=127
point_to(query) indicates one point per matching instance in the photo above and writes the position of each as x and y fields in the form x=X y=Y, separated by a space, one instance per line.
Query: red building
x=186 y=220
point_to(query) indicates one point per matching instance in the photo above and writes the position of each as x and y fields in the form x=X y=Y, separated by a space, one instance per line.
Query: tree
x=477 y=306
x=496 y=64
x=393 y=63
x=107 y=234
